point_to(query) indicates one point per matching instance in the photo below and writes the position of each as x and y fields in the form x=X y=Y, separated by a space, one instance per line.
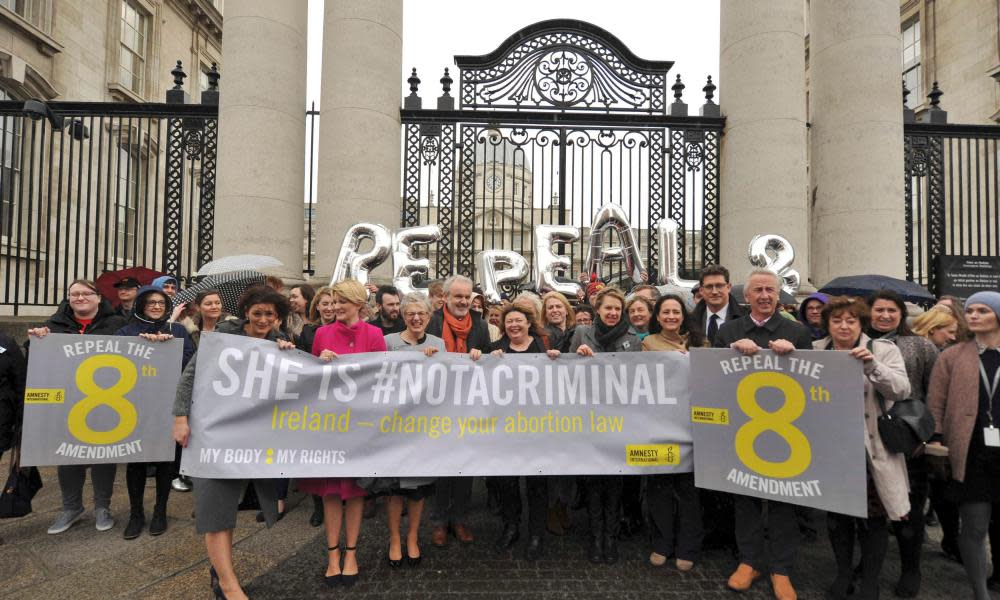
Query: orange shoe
x=783 y=589
x=742 y=578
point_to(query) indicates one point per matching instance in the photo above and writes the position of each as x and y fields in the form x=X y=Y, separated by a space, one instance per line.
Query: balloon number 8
x=113 y=397
x=779 y=421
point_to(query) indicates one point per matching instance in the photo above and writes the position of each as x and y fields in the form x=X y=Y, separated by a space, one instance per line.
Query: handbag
x=20 y=488
x=906 y=426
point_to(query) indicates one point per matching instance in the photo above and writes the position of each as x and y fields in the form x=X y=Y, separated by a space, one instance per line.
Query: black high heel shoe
x=333 y=580
x=413 y=561
x=349 y=580
x=398 y=562
x=213 y=577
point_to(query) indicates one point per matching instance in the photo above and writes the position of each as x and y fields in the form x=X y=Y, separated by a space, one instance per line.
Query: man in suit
x=717 y=304
x=764 y=329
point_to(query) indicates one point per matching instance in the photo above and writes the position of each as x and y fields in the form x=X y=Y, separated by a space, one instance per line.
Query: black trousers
x=604 y=504
x=451 y=501
x=778 y=556
x=873 y=534
x=135 y=481
x=675 y=513
x=910 y=532
x=537 y=488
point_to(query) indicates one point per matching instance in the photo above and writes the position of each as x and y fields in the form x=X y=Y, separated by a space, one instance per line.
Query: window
x=132 y=63
x=203 y=78
x=911 y=62
x=10 y=172
x=129 y=166
x=36 y=12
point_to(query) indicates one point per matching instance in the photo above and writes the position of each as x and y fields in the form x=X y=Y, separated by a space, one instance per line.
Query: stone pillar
x=856 y=138
x=262 y=104
x=358 y=175
x=762 y=94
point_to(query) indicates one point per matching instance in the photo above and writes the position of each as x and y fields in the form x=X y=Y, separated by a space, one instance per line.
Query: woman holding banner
x=522 y=334
x=150 y=320
x=83 y=312
x=343 y=500
x=885 y=383
x=609 y=333
x=416 y=312
x=965 y=398
x=674 y=507
x=216 y=500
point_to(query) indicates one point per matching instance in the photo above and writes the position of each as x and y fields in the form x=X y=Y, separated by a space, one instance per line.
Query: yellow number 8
x=779 y=421
x=113 y=397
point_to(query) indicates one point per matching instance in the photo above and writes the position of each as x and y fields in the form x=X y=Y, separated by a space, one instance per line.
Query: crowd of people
x=947 y=358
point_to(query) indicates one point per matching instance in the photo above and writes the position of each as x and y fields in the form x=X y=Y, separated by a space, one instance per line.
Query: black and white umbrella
x=238 y=262
x=230 y=285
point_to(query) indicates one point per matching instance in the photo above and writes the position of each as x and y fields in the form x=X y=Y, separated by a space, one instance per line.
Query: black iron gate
x=952 y=191
x=88 y=187
x=560 y=119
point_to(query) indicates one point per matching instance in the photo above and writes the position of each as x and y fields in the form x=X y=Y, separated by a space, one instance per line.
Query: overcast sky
x=684 y=31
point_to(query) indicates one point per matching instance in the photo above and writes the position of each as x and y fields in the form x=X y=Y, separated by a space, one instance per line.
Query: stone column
x=856 y=138
x=762 y=94
x=358 y=175
x=262 y=104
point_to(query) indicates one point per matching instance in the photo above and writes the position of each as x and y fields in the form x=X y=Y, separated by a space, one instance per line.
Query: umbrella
x=239 y=262
x=866 y=285
x=230 y=285
x=107 y=280
x=783 y=298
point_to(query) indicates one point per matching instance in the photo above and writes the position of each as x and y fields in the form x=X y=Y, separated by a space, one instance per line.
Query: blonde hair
x=933 y=319
x=350 y=290
x=313 y=314
x=570 y=313
x=609 y=292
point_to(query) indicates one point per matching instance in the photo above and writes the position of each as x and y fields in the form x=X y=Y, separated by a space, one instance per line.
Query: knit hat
x=991 y=299
x=594 y=286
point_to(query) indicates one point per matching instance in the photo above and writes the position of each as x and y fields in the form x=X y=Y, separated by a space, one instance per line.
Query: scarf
x=606 y=336
x=455 y=332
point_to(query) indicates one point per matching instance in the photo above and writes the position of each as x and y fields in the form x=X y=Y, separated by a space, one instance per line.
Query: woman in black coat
x=12 y=374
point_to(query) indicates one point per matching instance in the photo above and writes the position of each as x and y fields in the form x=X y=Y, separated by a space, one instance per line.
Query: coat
x=106 y=321
x=479 y=337
x=733 y=312
x=953 y=397
x=140 y=324
x=12 y=375
x=776 y=328
x=886 y=374
x=587 y=334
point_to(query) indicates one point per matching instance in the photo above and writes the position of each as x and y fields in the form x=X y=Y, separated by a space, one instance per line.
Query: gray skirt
x=216 y=502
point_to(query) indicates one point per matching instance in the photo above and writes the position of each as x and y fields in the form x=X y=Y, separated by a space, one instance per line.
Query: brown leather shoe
x=742 y=578
x=783 y=589
x=463 y=533
x=439 y=537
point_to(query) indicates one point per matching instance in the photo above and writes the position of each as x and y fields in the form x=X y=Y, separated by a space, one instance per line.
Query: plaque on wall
x=964 y=275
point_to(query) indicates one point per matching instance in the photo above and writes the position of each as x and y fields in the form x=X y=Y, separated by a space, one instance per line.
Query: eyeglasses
x=82 y=294
x=714 y=286
x=156 y=303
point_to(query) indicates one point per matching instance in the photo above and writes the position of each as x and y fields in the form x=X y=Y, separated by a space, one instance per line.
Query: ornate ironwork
x=446 y=201
x=916 y=148
x=710 y=201
x=411 y=178
x=936 y=208
x=678 y=192
x=429 y=149
x=173 y=213
x=467 y=202
x=563 y=65
x=657 y=209
x=193 y=142
x=206 y=206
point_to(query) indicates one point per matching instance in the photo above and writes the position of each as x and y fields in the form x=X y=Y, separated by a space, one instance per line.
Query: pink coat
x=342 y=339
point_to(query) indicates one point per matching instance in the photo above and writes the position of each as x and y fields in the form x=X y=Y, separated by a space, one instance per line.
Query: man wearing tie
x=717 y=305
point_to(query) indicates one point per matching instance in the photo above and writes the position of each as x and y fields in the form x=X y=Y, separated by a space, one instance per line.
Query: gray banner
x=263 y=412
x=99 y=399
x=786 y=428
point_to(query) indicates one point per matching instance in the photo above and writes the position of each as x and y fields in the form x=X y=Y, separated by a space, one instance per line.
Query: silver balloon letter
x=352 y=264
x=666 y=235
x=491 y=278
x=404 y=264
x=613 y=216
x=547 y=263
x=775 y=253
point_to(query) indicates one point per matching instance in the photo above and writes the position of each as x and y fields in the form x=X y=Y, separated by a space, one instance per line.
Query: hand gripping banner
x=263 y=412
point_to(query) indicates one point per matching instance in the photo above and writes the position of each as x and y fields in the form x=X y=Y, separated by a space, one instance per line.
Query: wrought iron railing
x=952 y=191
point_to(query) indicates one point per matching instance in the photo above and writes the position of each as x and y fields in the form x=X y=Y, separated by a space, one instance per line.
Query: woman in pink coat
x=343 y=500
